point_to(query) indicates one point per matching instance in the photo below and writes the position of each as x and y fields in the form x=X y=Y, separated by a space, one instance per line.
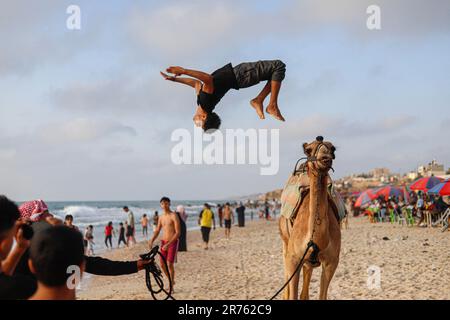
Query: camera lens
x=27 y=231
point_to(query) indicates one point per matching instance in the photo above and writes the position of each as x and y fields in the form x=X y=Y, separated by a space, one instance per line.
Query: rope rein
x=153 y=271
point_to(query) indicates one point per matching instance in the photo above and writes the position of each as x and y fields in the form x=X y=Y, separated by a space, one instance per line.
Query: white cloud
x=82 y=130
x=184 y=28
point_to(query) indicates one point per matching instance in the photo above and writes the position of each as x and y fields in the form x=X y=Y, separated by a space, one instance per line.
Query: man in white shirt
x=130 y=221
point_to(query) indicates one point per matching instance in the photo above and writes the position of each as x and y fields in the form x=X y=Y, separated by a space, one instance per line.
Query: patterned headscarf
x=35 y=210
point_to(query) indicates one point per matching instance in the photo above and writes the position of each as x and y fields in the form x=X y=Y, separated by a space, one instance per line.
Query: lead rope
x=152 y=270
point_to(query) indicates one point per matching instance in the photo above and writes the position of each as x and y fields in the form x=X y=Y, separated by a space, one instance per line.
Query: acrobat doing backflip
x=210 y=88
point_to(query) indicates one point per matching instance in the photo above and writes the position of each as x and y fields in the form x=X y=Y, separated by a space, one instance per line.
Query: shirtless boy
x=210 y=88
x=170 y=225
x=228 y=219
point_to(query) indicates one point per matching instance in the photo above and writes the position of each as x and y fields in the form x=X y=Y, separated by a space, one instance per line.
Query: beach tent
x=365 y=198
x=391 y=191
x=442 y=189
x=424 y=184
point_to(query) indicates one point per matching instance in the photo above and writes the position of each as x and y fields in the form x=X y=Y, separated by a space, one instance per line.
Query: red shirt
x=108 y=230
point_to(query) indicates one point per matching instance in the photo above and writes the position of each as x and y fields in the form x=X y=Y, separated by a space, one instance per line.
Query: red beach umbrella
x=424 y=184
x=365 y=198
x=442 y=189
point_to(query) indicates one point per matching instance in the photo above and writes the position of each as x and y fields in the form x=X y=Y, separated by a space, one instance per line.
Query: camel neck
x=318 y=202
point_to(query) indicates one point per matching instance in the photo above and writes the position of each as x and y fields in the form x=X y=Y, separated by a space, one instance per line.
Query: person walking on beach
x=181 y=212
x=144 y=223
x=109 y=232
x=266 y=210
x=89 y=240
x=210 y=88
x=240 y=212
x=155 y=220
x=170 y=225
x=121 y=235
x=128 y=234
x=220 y=214
x=130 y=220
x=206 y=220
x=228 y=219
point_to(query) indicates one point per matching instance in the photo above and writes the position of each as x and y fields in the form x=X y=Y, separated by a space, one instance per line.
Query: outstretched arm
x=187 y=81
x=204 y=77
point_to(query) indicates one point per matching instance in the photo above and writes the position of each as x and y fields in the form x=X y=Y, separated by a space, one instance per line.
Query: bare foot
x=273 y=110
x=258 y=106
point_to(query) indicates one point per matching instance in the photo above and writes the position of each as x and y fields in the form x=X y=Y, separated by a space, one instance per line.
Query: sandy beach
x=414 y=264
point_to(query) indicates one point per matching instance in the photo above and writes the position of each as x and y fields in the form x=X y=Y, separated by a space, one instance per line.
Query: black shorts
x=205 y=233
x=251 y=73
x=227 y=223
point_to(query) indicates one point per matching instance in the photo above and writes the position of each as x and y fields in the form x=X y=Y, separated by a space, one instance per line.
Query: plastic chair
x=409 y=217
x=392 y=215
x=402 y=218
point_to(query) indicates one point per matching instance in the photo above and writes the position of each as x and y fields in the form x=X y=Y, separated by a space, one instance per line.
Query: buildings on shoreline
x=375 y=178
x=383 y=176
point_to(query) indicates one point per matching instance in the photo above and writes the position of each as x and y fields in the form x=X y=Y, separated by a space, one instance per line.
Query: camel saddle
x=297 y=188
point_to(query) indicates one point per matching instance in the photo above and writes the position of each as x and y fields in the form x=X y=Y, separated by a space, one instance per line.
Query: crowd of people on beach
x=412 y=211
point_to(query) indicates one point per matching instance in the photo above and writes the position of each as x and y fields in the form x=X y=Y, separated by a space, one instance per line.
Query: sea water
x=99 y=213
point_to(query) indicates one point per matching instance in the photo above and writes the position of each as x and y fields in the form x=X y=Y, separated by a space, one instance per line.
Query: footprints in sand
x=249 y=266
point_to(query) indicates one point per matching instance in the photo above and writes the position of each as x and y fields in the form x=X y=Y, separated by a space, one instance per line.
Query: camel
x=315 y=220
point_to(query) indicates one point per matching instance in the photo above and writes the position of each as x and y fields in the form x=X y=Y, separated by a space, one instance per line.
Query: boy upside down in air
x=210 y=88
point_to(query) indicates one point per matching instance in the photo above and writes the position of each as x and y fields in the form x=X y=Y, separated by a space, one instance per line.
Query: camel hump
x=295 y=191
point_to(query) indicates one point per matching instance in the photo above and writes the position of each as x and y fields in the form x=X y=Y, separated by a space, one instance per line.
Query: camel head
x=320 y=155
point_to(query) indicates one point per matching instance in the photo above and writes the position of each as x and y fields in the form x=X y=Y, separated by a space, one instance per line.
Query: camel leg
x=307 y=273
x=327 y=274
x=286 y=275
x=291 y=265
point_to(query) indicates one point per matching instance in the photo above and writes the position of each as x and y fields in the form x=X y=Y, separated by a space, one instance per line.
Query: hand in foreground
x=165 y=247
x=142 y=263
x=167 y=77
x=22 y=242
x=175 y=70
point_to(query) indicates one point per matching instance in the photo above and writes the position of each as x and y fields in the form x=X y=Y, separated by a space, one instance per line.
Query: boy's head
x=145 y=215
x=206 y=205
x=125 y=209
x=52 y=251
x=121 y=224
x=165 y=203
x=9 y=214
x=68 y=218
x=211 y=122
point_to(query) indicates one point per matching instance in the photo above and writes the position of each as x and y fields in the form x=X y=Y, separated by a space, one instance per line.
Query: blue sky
x=85 y=116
